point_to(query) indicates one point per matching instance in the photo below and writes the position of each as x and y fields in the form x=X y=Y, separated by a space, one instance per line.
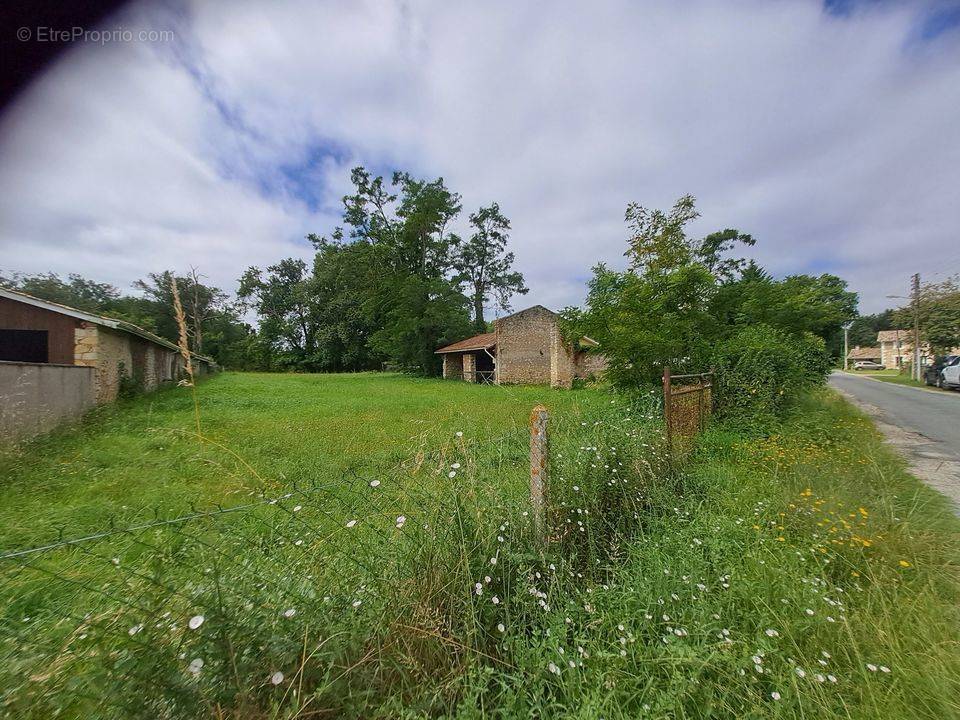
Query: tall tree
x=201 y=304
x=415 y=303
x=939 y=315
x=483 y=263
x=284 y=299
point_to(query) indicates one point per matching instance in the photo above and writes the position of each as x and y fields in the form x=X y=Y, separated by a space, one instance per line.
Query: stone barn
x=524 y=348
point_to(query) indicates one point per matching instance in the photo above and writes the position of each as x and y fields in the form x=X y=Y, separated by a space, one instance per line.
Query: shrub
x=760 y=370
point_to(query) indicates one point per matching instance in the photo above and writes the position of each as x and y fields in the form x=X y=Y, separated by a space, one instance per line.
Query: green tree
x=76 y=291
x=415 y=302
x=864 y=328
x=484 y=264
x=939 y=315
x=204 y=305
x=285 y=302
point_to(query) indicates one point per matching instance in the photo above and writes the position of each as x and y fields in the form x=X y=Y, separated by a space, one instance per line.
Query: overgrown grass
x=130 y=459
x=804 y=574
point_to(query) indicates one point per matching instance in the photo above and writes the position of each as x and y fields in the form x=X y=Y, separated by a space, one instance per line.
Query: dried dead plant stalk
x=185 y=348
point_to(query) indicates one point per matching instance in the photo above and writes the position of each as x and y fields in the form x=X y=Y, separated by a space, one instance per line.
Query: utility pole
x=916 y=326
x=846 y=342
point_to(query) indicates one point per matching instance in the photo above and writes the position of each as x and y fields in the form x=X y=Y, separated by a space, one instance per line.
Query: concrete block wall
x=36 y=397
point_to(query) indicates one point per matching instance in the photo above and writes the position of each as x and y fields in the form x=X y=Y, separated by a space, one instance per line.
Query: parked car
x=950 y=375
x=933 y=373
x=868 y=365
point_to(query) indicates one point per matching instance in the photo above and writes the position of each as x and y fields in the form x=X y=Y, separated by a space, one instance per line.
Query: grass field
x=803 y=574
x=141 y=455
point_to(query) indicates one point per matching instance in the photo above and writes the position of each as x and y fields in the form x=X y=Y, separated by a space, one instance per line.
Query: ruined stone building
x=526 y=348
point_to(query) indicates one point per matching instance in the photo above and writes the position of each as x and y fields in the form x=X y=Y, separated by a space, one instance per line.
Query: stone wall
x=562 y=361
x=453 y=366
x=112 y=352
x=36 y=397
x=523 y=346
x=590 y=364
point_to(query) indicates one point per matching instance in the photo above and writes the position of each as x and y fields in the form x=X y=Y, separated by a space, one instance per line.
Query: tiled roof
x=477 y=342
x=867 y=353
x=893 y=335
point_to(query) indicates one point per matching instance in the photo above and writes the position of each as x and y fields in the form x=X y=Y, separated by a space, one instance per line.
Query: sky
x=828 y=131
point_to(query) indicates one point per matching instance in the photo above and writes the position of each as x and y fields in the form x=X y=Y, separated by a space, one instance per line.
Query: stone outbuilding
x=40 y=332
x=524 y=348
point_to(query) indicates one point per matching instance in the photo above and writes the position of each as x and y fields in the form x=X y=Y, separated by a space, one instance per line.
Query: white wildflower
x=276 y=678
x=195 y=622
x=195 y=665
x=290 y=612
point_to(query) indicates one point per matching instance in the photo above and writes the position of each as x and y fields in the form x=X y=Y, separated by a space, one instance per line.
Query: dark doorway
x=484 y=367
x=23 y=345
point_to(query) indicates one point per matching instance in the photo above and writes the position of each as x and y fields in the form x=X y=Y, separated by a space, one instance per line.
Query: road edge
x=936 y=470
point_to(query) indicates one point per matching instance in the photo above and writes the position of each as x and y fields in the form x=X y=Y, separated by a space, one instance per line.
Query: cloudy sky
x=831 y=132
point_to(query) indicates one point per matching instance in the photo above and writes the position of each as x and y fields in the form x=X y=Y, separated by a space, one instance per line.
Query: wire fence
x=385 y=577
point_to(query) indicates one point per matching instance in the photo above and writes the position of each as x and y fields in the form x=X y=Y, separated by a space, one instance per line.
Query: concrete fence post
x=539 y=469
x=667 y=406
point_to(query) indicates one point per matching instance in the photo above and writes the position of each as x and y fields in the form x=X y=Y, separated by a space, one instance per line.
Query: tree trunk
x=478 y=322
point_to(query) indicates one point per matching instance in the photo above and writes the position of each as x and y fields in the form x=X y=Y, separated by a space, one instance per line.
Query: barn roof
x=90 y=317
x=483 y=341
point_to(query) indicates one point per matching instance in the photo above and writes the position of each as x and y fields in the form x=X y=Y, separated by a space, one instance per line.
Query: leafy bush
x=760 y=370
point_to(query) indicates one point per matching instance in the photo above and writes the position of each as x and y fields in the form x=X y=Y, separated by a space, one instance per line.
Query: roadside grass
x=265 y=431
x=803 y=574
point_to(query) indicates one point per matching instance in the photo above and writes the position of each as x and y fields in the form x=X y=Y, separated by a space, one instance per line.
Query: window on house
x=23 y=345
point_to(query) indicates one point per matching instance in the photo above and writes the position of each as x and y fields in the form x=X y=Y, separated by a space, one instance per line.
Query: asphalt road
x=933 y=414
x=923 y=424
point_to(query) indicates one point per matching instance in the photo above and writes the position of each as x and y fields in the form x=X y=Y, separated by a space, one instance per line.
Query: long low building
x=57 y=361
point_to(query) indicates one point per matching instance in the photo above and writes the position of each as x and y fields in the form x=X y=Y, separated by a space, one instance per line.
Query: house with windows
x=896 y=348
x=56 y=362
x=526 y=348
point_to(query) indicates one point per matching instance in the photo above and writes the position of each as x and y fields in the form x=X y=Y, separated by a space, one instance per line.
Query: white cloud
x=833 y=139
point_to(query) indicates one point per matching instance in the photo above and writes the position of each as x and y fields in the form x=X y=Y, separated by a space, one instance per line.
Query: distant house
x=873 y=354
x=525 y=347
x=56 y=362
x=896 y=348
